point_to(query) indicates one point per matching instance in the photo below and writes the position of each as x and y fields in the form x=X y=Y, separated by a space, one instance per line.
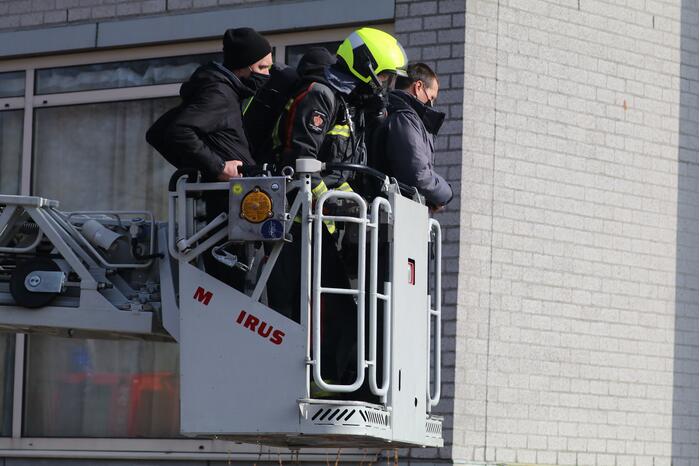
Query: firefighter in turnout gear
x=328 y=119
x=328 y=116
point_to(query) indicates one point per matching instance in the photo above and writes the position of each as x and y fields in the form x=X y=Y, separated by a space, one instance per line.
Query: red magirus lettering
x=264 y=329
x=202 y=295
x=277 y=336
x=251 y=322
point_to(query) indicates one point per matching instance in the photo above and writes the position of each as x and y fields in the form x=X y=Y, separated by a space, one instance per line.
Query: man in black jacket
x=405 y=145
x=206 y=130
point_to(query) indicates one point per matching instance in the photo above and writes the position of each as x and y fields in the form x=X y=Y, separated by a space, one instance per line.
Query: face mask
x=432 y=119
x=256 y=80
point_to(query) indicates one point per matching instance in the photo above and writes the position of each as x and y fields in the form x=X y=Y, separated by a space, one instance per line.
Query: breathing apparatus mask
x=373 y=97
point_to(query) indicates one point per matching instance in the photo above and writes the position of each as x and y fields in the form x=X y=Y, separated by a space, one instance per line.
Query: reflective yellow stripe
x=319 y=190
x=340 y=130
x=276 y=138
x=345 y=187
x=276 y=141
x=246 y=104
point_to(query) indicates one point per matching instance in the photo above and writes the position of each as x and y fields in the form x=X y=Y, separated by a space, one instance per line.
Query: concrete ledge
x=267 y=18
x=287 y=16
x=48 y=40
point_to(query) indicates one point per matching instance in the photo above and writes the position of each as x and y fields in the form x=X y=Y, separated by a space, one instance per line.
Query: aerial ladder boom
x=247 y=372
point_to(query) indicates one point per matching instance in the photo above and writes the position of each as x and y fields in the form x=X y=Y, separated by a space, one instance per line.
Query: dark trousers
x=364 y=393
x=338 y=312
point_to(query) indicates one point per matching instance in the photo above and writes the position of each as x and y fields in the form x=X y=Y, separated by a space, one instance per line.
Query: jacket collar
x=240 y=88
x=403 y=101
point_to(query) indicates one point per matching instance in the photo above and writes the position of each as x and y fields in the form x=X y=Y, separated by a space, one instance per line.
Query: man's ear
x=416 y=87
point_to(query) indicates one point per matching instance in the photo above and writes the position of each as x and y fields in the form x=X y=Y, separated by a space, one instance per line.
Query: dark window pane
x=101 y=388
x=7 y=368
x=12 y=84
x=120 y=74
x=295 y=52
x=95 y=157
x=11 y=123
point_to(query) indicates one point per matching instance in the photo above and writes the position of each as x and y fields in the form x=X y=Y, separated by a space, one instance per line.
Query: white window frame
x=18 y=446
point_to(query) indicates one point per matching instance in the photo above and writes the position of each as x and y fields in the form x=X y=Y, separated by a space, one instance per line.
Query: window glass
x=12 y=84
x=11 y=123
x=7 y=367
x=101 y=388
x=120 y=74
x=95 y=157
x=295 y=52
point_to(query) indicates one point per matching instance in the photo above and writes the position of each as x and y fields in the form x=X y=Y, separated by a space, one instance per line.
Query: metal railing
x=381 y=391
x=433 y=394
x=358 y=293
x=379 y=205
x=184 y=243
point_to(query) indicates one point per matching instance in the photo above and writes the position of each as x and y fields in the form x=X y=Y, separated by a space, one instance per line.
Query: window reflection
x=295 y=52
x=95 y=157
x=12 y=84
x=7 y=367
x=120 y=74
x=101 y=388
x=10 y=150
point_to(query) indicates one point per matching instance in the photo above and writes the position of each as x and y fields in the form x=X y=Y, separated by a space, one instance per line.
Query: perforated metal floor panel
x=341 y=424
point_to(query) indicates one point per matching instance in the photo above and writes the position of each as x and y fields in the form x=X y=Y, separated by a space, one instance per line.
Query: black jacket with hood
x=261 y=113
x=206 y=129
x=405 y=147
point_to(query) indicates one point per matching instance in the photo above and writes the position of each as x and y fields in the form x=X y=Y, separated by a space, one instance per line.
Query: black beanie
x=243 y=47
x=314 y=60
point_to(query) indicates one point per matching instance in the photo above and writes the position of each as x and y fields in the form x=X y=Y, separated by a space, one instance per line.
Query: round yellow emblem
x=256 y=206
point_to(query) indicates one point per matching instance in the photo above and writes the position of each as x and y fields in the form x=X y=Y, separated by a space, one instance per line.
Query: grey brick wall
x=21 y=14
x=433 y=32
x=570 y=253
x=577 y=303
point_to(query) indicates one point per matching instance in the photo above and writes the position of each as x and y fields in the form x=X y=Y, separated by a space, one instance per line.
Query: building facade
x=570 y=249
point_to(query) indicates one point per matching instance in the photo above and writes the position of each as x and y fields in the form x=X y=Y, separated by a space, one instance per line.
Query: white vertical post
x=305 y=285
x=18 y=386
x=25 y=190
x=434 y=396
x=26 y=170
x=375 y=387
